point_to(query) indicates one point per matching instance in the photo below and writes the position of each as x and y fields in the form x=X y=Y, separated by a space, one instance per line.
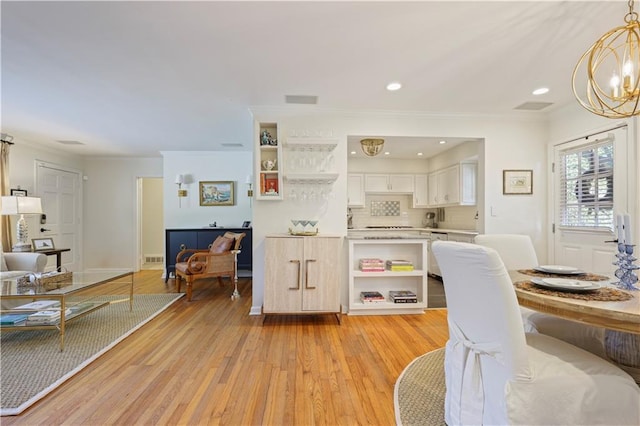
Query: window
x=586 y=185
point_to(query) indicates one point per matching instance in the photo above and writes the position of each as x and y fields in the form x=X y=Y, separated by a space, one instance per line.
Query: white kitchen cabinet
x=455 y=185
x=462 y=238
x=413 y=250
x=421 y=191
x=302 y=275
x=355 y=190
x=388 y=183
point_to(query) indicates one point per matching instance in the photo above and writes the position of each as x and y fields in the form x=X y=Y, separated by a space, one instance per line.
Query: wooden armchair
x=220 y=260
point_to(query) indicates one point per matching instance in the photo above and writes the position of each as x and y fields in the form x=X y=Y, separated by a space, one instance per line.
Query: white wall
x=197 y=166
x=510 y=143
x=110 y=199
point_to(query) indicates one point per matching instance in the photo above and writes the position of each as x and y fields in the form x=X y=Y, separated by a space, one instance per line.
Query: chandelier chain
x=631 y=16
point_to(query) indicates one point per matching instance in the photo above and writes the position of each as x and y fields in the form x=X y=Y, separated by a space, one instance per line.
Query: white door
x=589 y=188
x=59 y=189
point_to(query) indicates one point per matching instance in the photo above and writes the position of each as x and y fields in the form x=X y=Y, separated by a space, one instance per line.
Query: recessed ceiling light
x=541 y=91
x=387 y=153
x=419 y=154
x=353 y=153
x=394 y=85
x=442 y=142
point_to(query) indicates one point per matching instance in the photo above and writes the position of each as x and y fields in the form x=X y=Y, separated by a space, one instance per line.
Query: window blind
x=586 y=185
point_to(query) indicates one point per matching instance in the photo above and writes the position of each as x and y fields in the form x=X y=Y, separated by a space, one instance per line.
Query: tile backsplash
x=397 y=210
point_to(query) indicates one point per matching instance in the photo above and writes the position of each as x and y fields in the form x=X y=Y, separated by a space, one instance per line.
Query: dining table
x=619 y=318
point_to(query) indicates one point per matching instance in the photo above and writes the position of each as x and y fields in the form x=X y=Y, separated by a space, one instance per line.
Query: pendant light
x=372 y=146
x=612 y=72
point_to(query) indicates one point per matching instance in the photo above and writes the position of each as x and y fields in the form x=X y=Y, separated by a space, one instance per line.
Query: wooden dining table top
x=613 y=315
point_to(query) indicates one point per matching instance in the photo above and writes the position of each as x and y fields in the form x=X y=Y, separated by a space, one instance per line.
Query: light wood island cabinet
x=302 y=275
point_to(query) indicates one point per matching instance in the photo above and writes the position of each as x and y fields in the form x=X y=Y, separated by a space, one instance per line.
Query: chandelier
x=612 y=71
x=371 y=146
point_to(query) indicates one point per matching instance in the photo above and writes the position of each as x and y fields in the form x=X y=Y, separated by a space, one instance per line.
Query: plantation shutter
x=586 y=185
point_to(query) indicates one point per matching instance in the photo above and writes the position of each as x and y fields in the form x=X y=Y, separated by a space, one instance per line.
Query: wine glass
x=295 y=224
x=304 y=223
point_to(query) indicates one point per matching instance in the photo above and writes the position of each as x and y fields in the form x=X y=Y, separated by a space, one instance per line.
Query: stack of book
x=403 y=296
x=45 y=317
x=371 y=265
x=399 y=265
x=13 y=319
x=371 y=297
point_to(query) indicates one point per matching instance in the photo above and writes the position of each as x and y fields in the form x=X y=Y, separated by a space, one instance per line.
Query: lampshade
x=21 y=205
x=605 y=80
x=372 y=146
x=179 y=179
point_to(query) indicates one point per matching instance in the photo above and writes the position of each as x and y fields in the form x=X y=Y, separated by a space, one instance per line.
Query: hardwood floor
x=209 y=362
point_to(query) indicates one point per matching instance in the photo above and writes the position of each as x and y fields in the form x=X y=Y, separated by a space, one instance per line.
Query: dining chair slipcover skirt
x=517 y=252
x=496 y=374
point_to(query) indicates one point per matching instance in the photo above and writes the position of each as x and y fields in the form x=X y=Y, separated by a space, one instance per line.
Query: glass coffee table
x=77 y=296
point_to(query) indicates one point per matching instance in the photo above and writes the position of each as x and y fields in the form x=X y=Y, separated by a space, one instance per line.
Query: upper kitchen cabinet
x=355 y=190
x=455 y=185
x=268 y=163
x=421 y=191
x=388 y=183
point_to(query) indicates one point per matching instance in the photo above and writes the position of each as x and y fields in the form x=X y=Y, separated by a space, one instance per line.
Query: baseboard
x=256 y=310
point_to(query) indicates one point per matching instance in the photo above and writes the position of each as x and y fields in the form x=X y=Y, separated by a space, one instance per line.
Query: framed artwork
x=19 y=192
x=517 y=182
x=42 y=244
x=217 y=193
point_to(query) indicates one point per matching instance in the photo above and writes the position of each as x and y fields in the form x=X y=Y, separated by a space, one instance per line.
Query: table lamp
x=13 y=205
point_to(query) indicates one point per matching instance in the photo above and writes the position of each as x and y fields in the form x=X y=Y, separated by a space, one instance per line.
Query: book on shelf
x=399 y=268
x=270 y=185
x=38 y=305
x=371 y=297
x=397 y=262
x=13 y=319
x=403 y=296
x=371 y=265
x=46 y=317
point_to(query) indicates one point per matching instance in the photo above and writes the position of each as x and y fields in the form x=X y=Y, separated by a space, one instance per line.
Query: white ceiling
x=135 y=78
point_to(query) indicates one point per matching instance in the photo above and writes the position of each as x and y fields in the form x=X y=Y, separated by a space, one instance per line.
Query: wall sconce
x=179 y=182
x=249 y=182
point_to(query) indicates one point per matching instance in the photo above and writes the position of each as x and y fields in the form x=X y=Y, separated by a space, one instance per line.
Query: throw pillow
x=221 y=244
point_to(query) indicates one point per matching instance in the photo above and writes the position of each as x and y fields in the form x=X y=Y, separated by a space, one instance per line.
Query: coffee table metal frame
x=82 y=281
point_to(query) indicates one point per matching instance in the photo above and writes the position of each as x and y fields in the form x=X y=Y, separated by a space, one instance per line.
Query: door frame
x=138 y=255
x=79 y=226
x=632 y=170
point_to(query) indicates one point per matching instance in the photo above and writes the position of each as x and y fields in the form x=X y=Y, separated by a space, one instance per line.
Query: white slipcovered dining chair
x=517 y=252
x=496 y=374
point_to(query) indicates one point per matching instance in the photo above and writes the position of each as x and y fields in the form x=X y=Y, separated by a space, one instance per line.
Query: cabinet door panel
x=322 y=280
x=355 y=190
x=401 y=183
x=284 y=262
x=421 y=191
x=376 y=183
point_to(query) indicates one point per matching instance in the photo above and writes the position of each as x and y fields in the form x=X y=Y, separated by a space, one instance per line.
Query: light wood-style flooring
x=209 y=362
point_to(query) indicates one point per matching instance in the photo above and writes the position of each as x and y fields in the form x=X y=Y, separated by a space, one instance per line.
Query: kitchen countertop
x=403 y=230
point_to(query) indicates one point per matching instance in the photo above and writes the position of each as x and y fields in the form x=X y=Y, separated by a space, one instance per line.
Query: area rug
x=32 y=365
x=418 y=395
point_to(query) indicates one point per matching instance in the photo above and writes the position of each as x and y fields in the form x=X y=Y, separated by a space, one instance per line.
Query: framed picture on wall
x=217 y=193
x=517 y=182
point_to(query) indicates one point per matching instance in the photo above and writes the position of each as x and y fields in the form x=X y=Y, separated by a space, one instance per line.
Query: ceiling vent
x=533 y=106
x=232 y=145
x=301 y=99
x=70 y=142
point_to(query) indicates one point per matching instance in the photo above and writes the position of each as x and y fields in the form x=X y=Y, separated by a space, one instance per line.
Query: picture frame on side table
x=217 y=193
x=517 y=182
x=19 y=192
x=41 y=244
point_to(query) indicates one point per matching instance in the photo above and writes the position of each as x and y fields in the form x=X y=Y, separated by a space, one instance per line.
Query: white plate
x=559 y=269
x=565 y=285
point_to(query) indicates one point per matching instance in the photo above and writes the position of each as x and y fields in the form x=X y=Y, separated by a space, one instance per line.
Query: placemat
x=604 y=294
x=580 y=277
